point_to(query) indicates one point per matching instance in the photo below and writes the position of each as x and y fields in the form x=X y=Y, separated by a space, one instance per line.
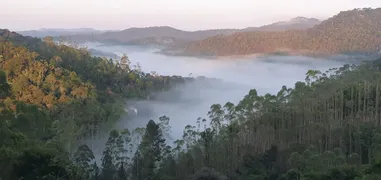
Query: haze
x=187 y=15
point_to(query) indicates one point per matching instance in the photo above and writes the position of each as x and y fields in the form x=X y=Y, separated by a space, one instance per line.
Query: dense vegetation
x=354 y=31
x=54 y=102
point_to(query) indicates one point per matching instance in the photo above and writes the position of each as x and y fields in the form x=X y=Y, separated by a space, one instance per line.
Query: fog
x=185 y=103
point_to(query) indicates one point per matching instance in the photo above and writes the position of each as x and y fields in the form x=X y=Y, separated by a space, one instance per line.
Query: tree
x=4 y=86
x=125 y=62
x=149 y=154
x=121 y=173
x=95 y=173
x=108 y=168
x=84 y=158
x=48 y=40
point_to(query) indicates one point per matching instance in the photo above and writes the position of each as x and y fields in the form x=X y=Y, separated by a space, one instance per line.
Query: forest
x=55 y=99
x=353 y=31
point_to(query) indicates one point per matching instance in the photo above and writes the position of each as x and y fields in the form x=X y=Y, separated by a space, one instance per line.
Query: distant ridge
x=150 y=35
x=353 y=31
x=165 y=35
x=296 y=23
x=58 y=32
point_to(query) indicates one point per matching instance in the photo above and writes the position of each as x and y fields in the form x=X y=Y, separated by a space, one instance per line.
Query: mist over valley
x=233 y=80
x=257 y=96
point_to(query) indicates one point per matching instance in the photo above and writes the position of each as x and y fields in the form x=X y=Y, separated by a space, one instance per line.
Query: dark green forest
x=54 y=98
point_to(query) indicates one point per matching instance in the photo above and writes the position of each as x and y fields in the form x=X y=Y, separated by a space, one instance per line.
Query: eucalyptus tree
x=84 y=158
x=148 y=157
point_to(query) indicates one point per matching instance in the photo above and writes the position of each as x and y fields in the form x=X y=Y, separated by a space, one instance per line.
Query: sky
x=182 y=14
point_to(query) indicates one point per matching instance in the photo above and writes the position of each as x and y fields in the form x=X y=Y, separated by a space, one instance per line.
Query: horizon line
x=185 y=29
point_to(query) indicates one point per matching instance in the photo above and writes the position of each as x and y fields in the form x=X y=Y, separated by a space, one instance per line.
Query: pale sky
x=182 y=14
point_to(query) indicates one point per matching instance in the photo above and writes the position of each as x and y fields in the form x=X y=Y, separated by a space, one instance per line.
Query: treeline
x=354 y=31
x=326 y=128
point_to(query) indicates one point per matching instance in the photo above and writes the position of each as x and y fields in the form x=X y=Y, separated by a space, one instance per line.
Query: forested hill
x=101 y=72
x=48 y=74
x=354 y=31
x=53 y=96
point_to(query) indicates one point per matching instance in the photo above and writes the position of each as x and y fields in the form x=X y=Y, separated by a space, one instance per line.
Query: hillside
x=53 y=96
x=168 y=36
x=103 y=73
x=354 y=31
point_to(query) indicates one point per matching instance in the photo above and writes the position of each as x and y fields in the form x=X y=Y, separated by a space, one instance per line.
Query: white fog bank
x=185 y=103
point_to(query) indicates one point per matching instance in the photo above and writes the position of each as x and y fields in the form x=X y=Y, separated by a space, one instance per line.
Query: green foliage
x=149 y=153
x=40 y=164
x=83 y=159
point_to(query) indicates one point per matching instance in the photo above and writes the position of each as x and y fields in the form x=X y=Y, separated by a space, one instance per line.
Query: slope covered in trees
x=57 y=96
x=354 y=31
x=99 y=71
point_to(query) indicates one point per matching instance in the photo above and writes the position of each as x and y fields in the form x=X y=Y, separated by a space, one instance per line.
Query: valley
x=295 y=99
x=234 y=78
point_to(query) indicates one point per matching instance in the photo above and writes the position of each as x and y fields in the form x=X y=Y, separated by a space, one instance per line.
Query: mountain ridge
x=151 y=35
x=353 y=31
x=43 y=32
x=296 y=23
